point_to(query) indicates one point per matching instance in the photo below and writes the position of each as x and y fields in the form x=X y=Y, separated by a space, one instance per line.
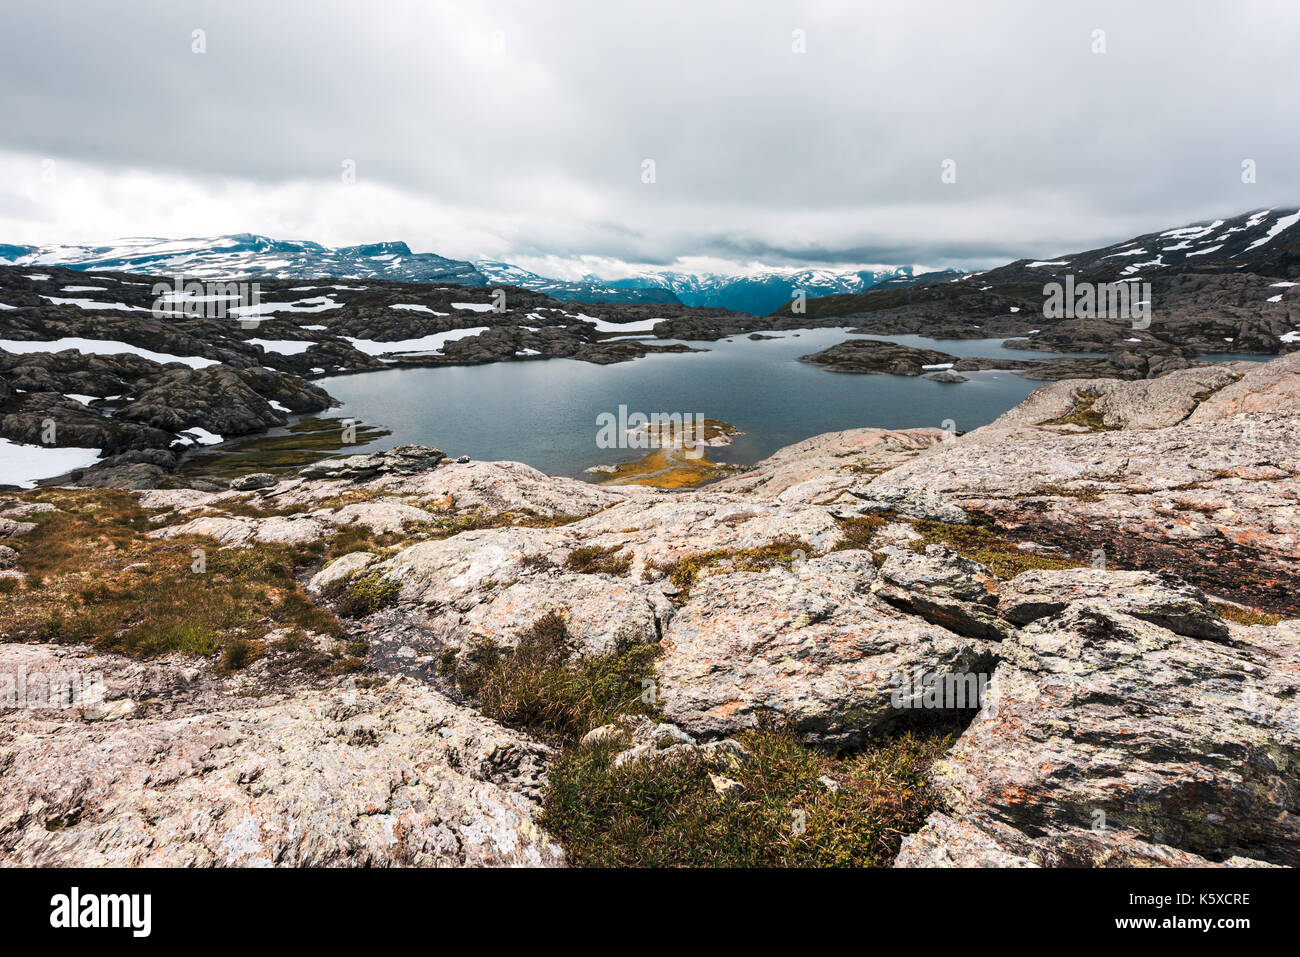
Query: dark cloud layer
x=519 y=130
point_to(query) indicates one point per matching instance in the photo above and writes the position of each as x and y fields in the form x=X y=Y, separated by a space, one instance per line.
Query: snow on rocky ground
x=100 y=347
x=25 y=465
x=432 y=343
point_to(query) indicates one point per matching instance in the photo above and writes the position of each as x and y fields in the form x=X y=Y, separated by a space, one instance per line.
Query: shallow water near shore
x=545 y=412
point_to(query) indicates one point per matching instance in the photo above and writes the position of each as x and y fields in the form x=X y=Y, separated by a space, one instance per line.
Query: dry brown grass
x=95 y=577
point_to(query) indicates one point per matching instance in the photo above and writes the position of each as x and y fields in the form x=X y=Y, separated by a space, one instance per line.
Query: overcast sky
x=519 y=131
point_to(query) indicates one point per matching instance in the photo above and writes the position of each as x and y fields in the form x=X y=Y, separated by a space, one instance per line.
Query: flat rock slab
x=661 y=531
x=396 y=775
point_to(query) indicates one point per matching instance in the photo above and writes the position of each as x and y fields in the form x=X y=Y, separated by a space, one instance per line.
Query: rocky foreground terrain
x=364 y=664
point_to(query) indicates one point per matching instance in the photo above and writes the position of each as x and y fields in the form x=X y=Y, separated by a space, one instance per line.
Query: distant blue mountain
x=763 y=292
x=252 y=257
x=245 y=255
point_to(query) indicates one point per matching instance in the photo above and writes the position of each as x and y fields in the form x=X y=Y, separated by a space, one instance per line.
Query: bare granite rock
x=239 y=530
x=820 y=469
x=663 y=529
x=809 y=646
x=602 y=613
x=337 y=572
x=1121 y=404
x=1098 y=720
x=945 y=589
x=395 y=775
x=1158 y=597
x=1216 y=501
x=464 y=570
x=980 y=841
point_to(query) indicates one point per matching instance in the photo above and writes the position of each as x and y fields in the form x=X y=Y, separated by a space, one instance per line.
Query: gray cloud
x=519 y=129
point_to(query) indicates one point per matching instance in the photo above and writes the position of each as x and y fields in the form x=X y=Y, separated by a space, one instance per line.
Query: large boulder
x=810 y=647
x=943 y=588
x=1159 y=597
x=469 y=568
x=1097 y=720
x=602 y=613
x=402 y=460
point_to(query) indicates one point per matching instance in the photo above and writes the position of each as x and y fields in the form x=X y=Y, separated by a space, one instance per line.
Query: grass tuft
x=593 y=560
x=537 y=688
x=784 y=552
x=660 y=814
x=367 y=594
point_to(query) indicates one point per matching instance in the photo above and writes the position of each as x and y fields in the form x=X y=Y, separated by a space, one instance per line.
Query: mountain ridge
x=252 y=256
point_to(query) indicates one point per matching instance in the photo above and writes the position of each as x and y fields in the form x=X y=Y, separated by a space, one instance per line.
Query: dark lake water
x=545 y=412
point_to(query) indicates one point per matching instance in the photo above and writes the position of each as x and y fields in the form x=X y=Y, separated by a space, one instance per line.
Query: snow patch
x=24 y=465
x=284 y=347
x=431 y=343
x=101 y=347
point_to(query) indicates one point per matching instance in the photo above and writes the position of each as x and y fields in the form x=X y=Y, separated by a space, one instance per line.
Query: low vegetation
x=537 y=688
x=657 y=814
x=366 y=594
x=999 y=554
x=1245 y=616
x=1084 y=414
x=858 y=531
x=593 y=560
x=784 y=552
x=661 y=814
x=669 y=467
x=95 y=577
x=306 y=441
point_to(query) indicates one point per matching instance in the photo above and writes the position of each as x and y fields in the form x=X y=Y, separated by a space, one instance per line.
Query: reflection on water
x=544 y=412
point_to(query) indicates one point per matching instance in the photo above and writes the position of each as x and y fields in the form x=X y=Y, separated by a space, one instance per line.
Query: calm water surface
x=544 y=412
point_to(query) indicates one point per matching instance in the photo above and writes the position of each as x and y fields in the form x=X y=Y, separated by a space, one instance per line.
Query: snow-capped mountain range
x=759 y=292
x=247 y=256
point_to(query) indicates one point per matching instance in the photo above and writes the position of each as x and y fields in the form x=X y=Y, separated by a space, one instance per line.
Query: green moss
x=1000 y=555
x=782 y=552
x=1083 y=414
x=593 y=560
x=366 y=594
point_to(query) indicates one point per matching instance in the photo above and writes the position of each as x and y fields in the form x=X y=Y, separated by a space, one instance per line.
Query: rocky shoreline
x=1110 y=564
x=86 y=364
